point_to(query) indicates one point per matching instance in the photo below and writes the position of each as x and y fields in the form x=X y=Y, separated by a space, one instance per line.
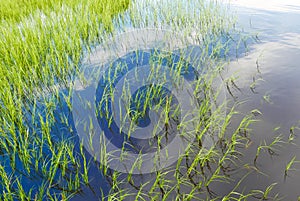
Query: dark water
x=274 y=65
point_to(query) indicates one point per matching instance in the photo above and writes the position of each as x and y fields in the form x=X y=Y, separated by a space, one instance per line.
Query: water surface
x=268 y=77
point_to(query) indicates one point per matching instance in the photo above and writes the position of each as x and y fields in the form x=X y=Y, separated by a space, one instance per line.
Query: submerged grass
x=42 y=44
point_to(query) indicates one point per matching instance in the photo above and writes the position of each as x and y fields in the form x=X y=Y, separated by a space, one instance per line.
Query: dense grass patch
x=41 y=43
x=18 y=10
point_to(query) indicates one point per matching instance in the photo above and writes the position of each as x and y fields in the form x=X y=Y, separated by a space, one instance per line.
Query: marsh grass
x=41 y=47
x=42 y=44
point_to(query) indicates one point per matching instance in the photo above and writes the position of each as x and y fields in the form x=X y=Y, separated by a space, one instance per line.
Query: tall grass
x=41 y=44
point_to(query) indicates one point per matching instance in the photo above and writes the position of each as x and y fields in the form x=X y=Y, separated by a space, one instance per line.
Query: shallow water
x=268 y=78
x=274 y=64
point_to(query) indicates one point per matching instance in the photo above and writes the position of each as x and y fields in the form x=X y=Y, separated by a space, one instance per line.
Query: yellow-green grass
x=15 y=10
x=41 y=43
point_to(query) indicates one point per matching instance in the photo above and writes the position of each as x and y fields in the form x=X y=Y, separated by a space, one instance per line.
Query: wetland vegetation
x=43 y=47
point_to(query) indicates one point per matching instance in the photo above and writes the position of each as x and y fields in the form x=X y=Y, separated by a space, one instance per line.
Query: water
x=267 y=79
x=141 y=75
x=274 y=64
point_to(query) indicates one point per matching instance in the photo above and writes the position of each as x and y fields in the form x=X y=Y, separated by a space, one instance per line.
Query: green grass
x=41 y=47
x=16 y=11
